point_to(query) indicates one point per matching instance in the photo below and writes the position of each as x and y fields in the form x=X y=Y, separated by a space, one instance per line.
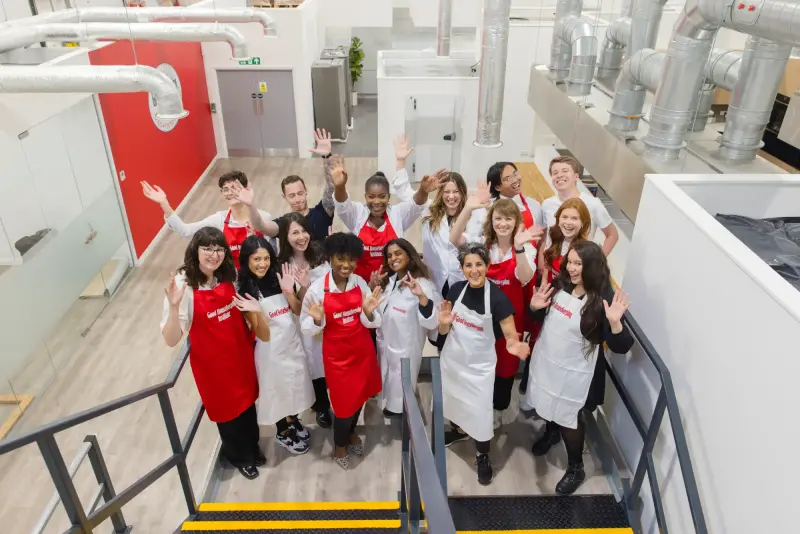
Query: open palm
x=619 y=305
x=401 y=149
x=316 y=310
x=372 y=301
x=173 y=292
x=446 y=314
x=322 y=140
x=286 y=278
x=154 y=193
x=481 y=198
x=541 y=297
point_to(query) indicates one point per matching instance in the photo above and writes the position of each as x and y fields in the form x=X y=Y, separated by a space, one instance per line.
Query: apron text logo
x=468 y=324
x=563 y=310
x=505 y=282
x=374 y=251
x=395 y=308
x=345 y=314
x=278 y=312
x=222 y=313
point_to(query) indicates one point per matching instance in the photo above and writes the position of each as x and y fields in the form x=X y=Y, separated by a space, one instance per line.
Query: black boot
x=551 y=437
x=571 y=480
x=485 y=471
x=324 y=419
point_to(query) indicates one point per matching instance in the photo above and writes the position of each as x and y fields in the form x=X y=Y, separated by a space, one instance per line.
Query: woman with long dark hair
x=284 y=382
x=407 y=314
x=201 y=301
x=580 y=313
x=307 y=260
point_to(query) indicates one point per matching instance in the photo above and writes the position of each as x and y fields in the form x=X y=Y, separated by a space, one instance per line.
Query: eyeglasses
x=228 y=190
x=213 y=251
x=506 y=179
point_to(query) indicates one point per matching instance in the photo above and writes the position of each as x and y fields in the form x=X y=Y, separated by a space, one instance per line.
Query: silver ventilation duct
x=573 y=52
x=612 y=53
x=92 y=79
x=444 y=30
x=645 y=21
x=18 y=37
x=494 y=53
x=685 y=64
x=154 y=14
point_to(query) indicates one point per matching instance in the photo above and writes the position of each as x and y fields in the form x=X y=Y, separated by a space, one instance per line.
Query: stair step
x=297 y=517
x=540 y=514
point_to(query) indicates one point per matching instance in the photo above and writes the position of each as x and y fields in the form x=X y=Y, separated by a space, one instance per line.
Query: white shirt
x=440 y=255
x=598 y=212
x=354 y=215
x=216 y=220
x=393 y=289
x=474 y=232
x=530 y=254
x=186 y=307
x=316 y=291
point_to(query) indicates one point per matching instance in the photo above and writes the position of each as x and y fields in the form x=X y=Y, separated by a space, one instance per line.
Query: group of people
x=283 y=315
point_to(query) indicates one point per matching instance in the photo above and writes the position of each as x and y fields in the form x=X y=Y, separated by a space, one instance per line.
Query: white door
x=433 y=125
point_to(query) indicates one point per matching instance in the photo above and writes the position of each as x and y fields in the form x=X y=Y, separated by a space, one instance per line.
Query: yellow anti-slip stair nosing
x=294 y=506
x=288 y=525
x=553 y=531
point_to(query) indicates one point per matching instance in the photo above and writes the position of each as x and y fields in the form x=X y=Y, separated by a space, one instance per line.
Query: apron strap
x=227 y=220
x=486 y=291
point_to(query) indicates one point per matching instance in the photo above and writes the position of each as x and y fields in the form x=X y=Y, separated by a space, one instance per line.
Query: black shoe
x=301 y=431
x=454 y=436
x=324 y=419
x=261 y=460
x=571 y=480
x=543 y=444
x=485 y=472
x=523 y=386
x=390 y=414
x=249 y=471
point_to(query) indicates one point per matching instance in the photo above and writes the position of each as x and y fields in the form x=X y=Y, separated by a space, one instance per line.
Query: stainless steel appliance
x=331 y=97
x=343 y=52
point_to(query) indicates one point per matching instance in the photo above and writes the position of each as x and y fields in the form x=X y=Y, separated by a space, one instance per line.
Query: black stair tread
x=537 y=512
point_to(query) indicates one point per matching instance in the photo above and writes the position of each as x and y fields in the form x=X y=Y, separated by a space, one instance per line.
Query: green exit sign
x=250 y=61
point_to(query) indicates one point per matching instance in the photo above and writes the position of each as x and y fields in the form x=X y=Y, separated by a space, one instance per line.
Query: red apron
x=554 y=270
x=374 y=243
x=502 y=274
x=527 y=291
x=235 y=237
x=221 y=355
x=348 y=353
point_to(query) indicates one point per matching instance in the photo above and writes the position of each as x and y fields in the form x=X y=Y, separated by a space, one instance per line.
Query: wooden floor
x=124 y=353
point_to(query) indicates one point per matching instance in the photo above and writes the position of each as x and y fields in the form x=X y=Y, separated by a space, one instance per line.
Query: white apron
x=283 y=381
x=468 y=360
x=399 y=336
x=560 y=371
x=312 y=345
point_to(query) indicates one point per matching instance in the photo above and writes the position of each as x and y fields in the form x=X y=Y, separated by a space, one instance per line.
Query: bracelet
x=519 y=251
x=328 y=155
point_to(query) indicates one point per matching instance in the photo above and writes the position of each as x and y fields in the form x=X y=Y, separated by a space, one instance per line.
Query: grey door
x=239 y=106
x=276 y=112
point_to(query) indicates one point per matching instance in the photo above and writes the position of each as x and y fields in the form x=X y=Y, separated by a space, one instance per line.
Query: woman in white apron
x=284 y=382
x=299 y=250
x=408 y=313
x=580 y=313
x=475 y=314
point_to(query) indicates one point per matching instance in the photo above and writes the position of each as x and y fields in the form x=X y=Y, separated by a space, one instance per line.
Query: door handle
x=255 y=106
x=90 y=237
x=260 y=104
x=450 y=137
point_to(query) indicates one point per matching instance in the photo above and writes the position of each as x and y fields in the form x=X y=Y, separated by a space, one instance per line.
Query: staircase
x=541 y=514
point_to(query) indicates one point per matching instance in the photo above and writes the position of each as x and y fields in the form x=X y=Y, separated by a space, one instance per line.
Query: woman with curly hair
x=201 y=301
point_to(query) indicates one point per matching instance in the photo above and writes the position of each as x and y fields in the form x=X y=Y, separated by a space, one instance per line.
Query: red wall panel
x=174 y=160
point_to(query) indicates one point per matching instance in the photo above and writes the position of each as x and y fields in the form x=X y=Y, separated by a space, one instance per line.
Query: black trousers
x=573 y=439
x=322 y=403
x=483 y=447
x=343 y=428
x=240 y=438
x=526 y=372
x=502 y=392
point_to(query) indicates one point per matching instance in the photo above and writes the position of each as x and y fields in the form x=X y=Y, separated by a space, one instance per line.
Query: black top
x=319 y=220
x=499 y=305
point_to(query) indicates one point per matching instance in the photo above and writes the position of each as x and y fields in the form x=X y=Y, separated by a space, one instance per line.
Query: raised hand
x=245 y=195
x=617 y=308
x=522 y=237
x=537 y=232
x=446 y=314
x=250 y=229
x=372 y=301
x=518 y=348
x=173 y=292
x=401 y=150
x=411 y=283
x=154 y=193
x=431 y=183
x=286 y=278
x=316 y=310
x=338 y=176
x=246 y=303
x=376 y=278
x=541 y=297
x=302 y=276
x=322 y=140
x=481 y=198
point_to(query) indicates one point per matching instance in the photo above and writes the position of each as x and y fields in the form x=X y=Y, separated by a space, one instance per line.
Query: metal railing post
x=404 y=444
x=649 y=443
x=413 y=499
x=437 y=430
x=63 y=483
x=175 y=443
x=104 y=479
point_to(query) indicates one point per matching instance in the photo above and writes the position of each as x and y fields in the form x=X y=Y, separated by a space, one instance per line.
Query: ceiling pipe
x=573 y=52
x=444 y=30
x=612 y=53
x=96 y=79
x=645 y=22
x=19 y=37
x=491 y=86
x=154 y=14
x=694 y=31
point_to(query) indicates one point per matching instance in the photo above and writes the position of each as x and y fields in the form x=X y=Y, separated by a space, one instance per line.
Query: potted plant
x=356 y=65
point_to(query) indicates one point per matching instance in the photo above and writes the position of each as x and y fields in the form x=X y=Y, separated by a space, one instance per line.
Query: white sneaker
x=292 y=443
x=498 y=419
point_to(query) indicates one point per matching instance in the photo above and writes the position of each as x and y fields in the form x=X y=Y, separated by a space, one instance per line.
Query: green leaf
x=356 y=59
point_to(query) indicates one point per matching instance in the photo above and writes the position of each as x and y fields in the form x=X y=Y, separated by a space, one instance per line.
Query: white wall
x=726 y=325
x=295 y=48
x=14 y=9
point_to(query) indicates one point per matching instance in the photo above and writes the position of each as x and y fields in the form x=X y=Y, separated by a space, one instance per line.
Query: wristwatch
x=519 y=250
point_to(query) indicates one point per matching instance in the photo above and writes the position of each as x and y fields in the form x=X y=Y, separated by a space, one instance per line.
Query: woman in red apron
x=341 y=306
x=201 y=301
x=511 y=269
x=376 y=222
x=573 y=224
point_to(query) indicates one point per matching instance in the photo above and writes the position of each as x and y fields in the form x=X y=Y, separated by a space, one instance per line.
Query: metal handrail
x=82 y=521
x=666 y=401
x=420 y=477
